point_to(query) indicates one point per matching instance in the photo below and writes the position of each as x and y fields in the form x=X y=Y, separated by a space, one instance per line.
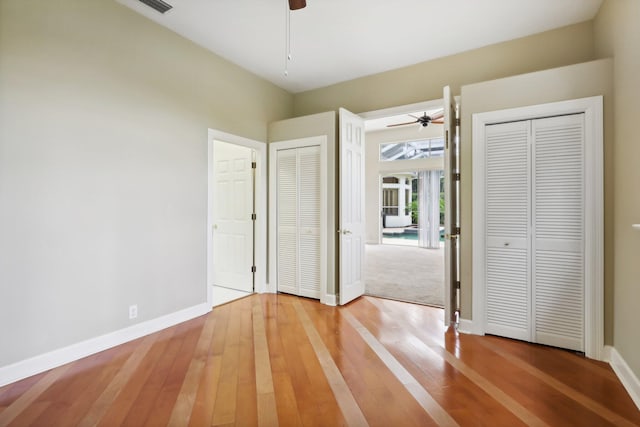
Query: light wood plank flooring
x=269 y=360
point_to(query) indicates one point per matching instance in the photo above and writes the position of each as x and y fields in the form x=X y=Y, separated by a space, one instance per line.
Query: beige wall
x=571 y=82
x=617 y=34
x=424 y=81
x=103 y=167
x=316 y=125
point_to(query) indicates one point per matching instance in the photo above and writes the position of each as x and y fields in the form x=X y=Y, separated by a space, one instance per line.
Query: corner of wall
x=627 y=377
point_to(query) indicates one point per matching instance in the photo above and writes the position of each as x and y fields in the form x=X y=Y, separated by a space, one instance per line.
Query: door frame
x=408 y=108
x=260 y=190
x=321 y=141
x=592 y=108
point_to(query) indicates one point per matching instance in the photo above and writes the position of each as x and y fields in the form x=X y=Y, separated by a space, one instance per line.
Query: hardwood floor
x=269 y=360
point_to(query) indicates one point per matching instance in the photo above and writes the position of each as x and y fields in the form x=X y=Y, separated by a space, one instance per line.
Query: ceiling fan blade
x=438 y=122
x=402 y=124
x=297 y=4
x=436 y=116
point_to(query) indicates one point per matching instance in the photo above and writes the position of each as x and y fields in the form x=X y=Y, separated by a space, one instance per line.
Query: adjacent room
x=405 y=203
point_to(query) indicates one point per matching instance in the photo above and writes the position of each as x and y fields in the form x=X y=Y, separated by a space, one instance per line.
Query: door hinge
x=456 y=176
x=457 y=121
x=457 y=230
x=253 y=268
x=254 y=165
x=254 y=217
x=457 y=284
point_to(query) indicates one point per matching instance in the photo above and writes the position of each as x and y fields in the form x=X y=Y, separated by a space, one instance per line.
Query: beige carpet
x=405 y=273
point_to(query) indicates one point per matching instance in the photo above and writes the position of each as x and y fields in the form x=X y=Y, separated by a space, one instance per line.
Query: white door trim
x=261 y=207
x=594 y=210
x=321 y=141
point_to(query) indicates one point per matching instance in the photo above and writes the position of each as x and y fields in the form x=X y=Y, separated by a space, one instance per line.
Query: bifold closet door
x=298 y=221
x=558 y=231
x=535 y=230
x=508 y=285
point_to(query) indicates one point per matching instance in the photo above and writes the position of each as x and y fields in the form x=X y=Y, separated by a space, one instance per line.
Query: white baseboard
x=627 y=377
x=268 y=289
x=467 y=326
x=330 y=300
x=44 y=362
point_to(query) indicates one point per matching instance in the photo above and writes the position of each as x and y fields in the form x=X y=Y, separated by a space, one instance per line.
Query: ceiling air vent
x=158 y=5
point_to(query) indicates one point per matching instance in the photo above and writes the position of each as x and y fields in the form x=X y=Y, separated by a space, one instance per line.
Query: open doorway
x=236 y=242
x=404 y=255
x=233 y=227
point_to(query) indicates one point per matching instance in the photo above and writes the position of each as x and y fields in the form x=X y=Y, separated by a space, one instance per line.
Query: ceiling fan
x=297 y=4
x=424 y=120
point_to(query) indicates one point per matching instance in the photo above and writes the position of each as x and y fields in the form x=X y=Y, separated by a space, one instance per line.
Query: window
x=411 y=150
x=390 y=201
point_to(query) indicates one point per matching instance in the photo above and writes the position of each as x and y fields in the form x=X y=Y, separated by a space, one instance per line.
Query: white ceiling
x=339 y=40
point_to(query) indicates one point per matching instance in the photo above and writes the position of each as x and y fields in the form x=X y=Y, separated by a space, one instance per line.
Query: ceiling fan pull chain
x=287 y=48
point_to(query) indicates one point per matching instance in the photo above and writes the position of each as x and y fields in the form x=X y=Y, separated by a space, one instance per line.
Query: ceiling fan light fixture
x=297 y=4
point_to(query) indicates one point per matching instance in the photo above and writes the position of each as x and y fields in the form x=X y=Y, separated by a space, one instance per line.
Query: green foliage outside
x=414 y=208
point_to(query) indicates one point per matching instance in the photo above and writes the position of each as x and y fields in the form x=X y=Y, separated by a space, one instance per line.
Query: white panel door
x=451 y=249
x=351 y=220
x=232 y=223
x=507 y=184
x=558 y=221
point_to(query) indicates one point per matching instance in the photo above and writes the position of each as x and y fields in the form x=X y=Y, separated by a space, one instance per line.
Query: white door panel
x=351 y=219
x=558 y=229
x=232 y=209
x=451 y=187
x=507 y=185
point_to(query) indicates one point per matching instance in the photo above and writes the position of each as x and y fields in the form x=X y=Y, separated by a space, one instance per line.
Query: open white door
x=351 y=219
x=232 y=216
x=451 y=227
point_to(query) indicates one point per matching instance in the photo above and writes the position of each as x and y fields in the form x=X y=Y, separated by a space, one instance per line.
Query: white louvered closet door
x=558 y=230
x=287 y=227
x=507 y=183
x=309 y=221
x=535 y=230
x=298 y=221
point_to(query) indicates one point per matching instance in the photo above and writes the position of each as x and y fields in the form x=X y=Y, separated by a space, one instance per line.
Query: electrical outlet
x=133 y=311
